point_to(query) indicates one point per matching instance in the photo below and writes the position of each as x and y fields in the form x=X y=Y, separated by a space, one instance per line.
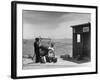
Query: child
x=51 y=54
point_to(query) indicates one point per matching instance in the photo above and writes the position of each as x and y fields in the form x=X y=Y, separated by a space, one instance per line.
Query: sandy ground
x=29 y=64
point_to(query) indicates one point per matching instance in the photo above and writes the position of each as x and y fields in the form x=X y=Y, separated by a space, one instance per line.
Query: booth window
x=78 y=38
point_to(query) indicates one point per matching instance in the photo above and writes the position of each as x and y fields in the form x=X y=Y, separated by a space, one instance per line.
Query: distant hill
x=69 y=41
x=63 y=40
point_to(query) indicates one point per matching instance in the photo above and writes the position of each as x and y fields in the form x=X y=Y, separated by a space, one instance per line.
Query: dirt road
x=29 y=64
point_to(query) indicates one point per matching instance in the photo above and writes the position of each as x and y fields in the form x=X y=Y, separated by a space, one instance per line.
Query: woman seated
x=47 y=54
x=43 y=53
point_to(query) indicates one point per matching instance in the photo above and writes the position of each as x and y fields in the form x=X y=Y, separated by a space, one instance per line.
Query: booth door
x=77 y=45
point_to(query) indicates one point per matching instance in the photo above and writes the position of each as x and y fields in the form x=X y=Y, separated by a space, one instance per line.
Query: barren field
x=62 y=46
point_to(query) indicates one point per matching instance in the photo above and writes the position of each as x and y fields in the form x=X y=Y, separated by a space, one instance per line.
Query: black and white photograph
x=53 y=39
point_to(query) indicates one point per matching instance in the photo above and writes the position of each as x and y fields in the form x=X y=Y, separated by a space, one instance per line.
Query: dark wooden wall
x=82 y=48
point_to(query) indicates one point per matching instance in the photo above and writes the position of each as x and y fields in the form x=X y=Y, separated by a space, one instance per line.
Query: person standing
x=36 y=50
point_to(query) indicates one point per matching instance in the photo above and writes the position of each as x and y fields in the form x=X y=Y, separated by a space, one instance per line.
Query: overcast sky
x=51 y=24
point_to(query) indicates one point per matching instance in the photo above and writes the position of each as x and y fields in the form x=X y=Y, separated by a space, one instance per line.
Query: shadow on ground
x=75 y=60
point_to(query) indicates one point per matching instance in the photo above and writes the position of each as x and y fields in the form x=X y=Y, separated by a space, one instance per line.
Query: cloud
x=54 y=24
x=42 y=18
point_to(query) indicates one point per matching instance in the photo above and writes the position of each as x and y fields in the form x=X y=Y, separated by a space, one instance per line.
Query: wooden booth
x=81 y=41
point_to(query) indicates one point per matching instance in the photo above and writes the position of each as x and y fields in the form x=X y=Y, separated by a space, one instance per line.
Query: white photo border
x=19 y=72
